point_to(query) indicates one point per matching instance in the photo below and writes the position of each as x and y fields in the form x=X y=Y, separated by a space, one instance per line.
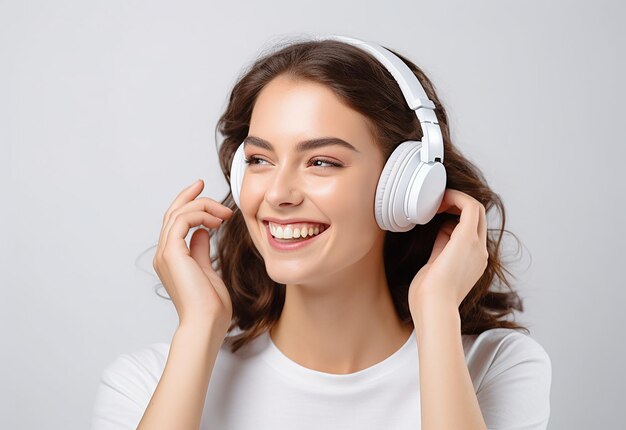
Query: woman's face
x=284 y=182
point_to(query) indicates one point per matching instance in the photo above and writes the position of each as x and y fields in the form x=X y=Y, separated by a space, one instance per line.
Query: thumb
x=200 y=249
x=442 y=239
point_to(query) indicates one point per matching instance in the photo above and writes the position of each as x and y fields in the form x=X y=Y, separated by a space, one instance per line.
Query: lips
x=280 y=245
x=265 y=220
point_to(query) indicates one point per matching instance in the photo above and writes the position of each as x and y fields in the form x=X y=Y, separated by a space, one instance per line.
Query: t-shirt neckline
x=283 y=364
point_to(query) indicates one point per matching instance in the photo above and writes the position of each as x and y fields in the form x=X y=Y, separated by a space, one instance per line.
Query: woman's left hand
x=459 y=256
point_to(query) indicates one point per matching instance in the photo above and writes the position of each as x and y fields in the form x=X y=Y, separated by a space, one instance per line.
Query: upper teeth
x=294 y=231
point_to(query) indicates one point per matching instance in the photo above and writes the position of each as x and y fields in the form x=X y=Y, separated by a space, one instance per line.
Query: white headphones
x=412 y=184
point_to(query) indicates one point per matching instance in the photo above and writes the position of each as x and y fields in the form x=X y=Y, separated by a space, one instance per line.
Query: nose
x=283 y=187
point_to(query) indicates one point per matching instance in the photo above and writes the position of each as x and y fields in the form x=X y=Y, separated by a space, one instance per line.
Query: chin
x=283 y=276
x=287 y=274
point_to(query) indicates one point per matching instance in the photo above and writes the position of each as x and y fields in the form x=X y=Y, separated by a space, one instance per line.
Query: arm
x=447 y=397
x=204 y=309
x=178 y=399
x=458 y=259
x=515 y=393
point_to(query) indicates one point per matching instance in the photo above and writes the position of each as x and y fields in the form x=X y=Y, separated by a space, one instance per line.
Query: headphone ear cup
x=409 y=191
x=426 y=192
x=237 y=170
x=385 y=187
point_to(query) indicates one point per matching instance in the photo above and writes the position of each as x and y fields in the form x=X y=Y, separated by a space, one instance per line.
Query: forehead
x=287 y=111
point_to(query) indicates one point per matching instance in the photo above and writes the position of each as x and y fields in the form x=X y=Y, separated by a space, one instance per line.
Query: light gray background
x=108 y=109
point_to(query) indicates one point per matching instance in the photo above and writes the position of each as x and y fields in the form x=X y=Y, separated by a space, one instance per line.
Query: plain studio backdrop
x=108 y=109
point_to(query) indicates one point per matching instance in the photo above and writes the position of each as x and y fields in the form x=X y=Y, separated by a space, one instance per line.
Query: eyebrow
x=305 y=145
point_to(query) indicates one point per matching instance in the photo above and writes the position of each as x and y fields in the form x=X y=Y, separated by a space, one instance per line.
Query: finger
x=200 y=249
x=180 y=205
x=207 y=204
x=448 y=227
x=482 y=225
x=455 y=200
x=175 y=238
x=187 y=194
x=447 y=204
x=200 y=204
x=441 y=240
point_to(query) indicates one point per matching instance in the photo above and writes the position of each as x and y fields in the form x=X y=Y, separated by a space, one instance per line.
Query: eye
x=253 y=161
x=321 y=160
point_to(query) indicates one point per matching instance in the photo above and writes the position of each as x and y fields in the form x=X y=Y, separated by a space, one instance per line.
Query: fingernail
x=195 y=183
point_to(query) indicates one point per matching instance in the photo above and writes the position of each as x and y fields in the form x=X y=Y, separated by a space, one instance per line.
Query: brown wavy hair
x=365 y=85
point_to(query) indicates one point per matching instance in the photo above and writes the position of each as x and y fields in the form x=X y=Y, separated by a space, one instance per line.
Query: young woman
x=310 y=315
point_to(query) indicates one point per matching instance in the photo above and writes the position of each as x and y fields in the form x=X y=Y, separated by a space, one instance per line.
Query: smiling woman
x=288 y=184
x=325 y=297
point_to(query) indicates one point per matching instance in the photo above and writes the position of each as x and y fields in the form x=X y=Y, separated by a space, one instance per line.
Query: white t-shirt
x=258 y=387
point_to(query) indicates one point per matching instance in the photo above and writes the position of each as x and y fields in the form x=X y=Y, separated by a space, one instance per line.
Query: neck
x=343 y=322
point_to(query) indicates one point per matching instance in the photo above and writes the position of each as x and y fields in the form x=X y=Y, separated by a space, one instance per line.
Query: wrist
x=201 y=329
x=431 y=310
x=429 y=299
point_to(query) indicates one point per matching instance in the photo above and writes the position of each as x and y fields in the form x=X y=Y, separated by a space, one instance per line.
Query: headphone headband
x=414 y=94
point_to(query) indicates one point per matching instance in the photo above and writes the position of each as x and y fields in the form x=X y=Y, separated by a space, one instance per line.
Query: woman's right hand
x=197 y=291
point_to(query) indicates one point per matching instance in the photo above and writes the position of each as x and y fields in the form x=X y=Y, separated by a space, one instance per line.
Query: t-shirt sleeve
x=126 y=387
x=515 y=392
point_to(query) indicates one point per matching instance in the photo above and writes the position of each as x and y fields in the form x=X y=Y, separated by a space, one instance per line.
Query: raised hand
x=459 y=256
x=197 y=291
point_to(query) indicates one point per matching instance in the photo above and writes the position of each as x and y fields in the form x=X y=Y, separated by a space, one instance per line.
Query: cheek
x=250 y=196
x=350 y=203
x=249 y=200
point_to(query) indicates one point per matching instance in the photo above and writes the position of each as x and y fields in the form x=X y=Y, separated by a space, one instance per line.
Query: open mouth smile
x=305 y=236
